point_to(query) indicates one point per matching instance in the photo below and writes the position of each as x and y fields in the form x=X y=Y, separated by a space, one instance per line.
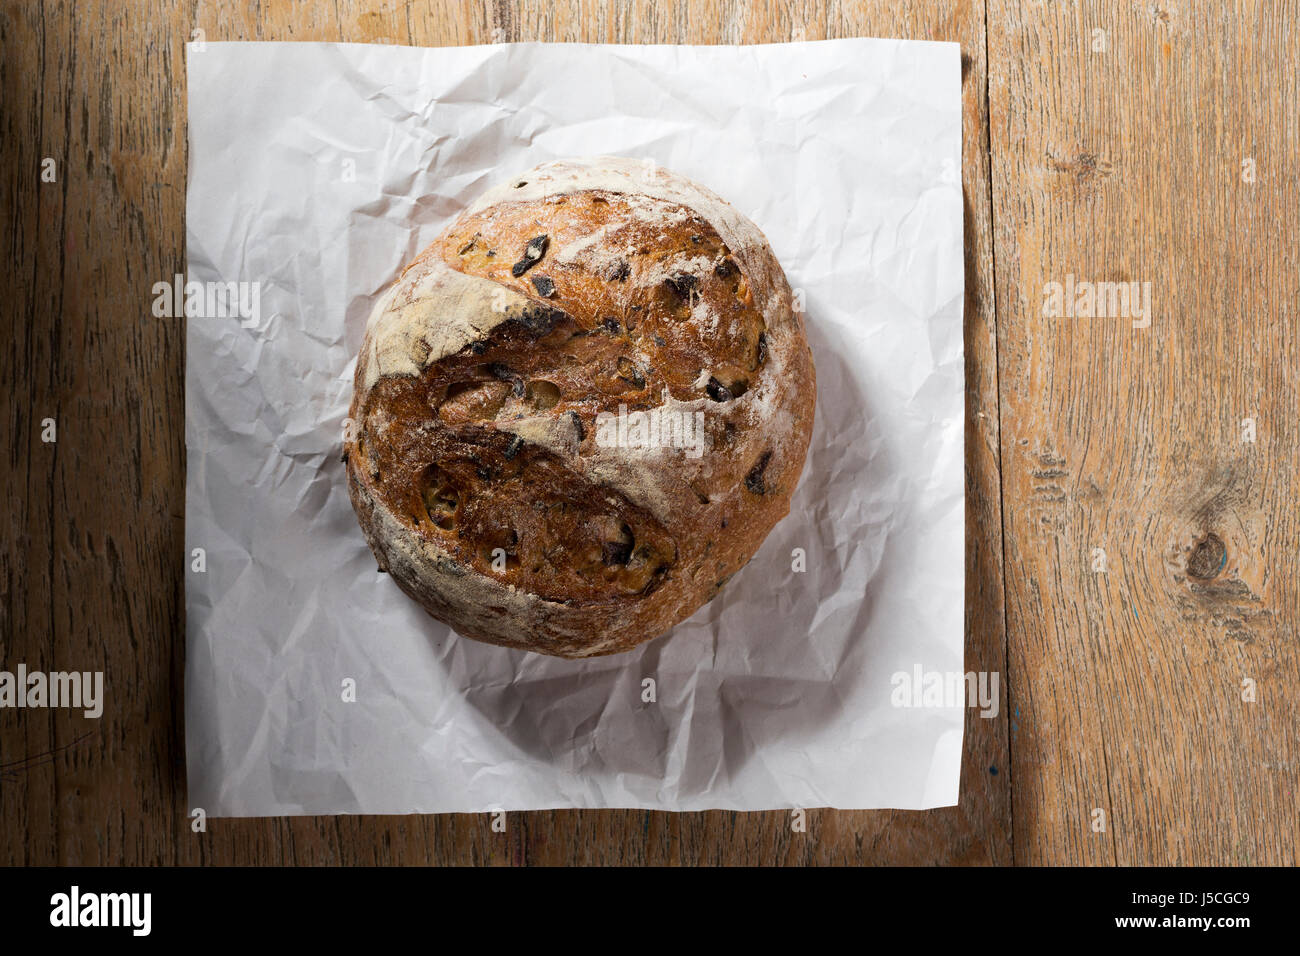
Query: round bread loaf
x=580 y=410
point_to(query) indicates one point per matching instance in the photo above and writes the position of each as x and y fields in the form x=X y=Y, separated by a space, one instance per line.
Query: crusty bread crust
x=485 y=466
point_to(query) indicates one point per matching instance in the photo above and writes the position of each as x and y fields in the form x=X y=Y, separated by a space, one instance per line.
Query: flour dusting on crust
x=637 y=179
x=431 y=312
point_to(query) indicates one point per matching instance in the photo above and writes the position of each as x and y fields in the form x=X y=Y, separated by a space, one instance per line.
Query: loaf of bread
x=580 y=410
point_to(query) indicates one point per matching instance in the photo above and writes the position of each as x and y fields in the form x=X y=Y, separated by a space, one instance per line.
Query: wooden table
x=1131 y=485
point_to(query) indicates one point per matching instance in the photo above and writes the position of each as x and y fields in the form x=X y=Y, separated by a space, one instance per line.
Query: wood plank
x=110 y=589
x=1118 y=155
x=38 y=58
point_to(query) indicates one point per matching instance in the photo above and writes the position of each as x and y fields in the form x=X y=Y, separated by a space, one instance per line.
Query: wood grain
x=1119 y=133
x=93 y=562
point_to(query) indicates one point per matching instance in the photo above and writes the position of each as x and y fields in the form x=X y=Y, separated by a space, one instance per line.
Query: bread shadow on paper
x=728 y=683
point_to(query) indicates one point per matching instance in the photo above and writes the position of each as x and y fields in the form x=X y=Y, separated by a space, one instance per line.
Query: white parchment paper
x=318 y=171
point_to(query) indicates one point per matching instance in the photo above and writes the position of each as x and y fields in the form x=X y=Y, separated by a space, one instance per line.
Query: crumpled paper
x=313 y=685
